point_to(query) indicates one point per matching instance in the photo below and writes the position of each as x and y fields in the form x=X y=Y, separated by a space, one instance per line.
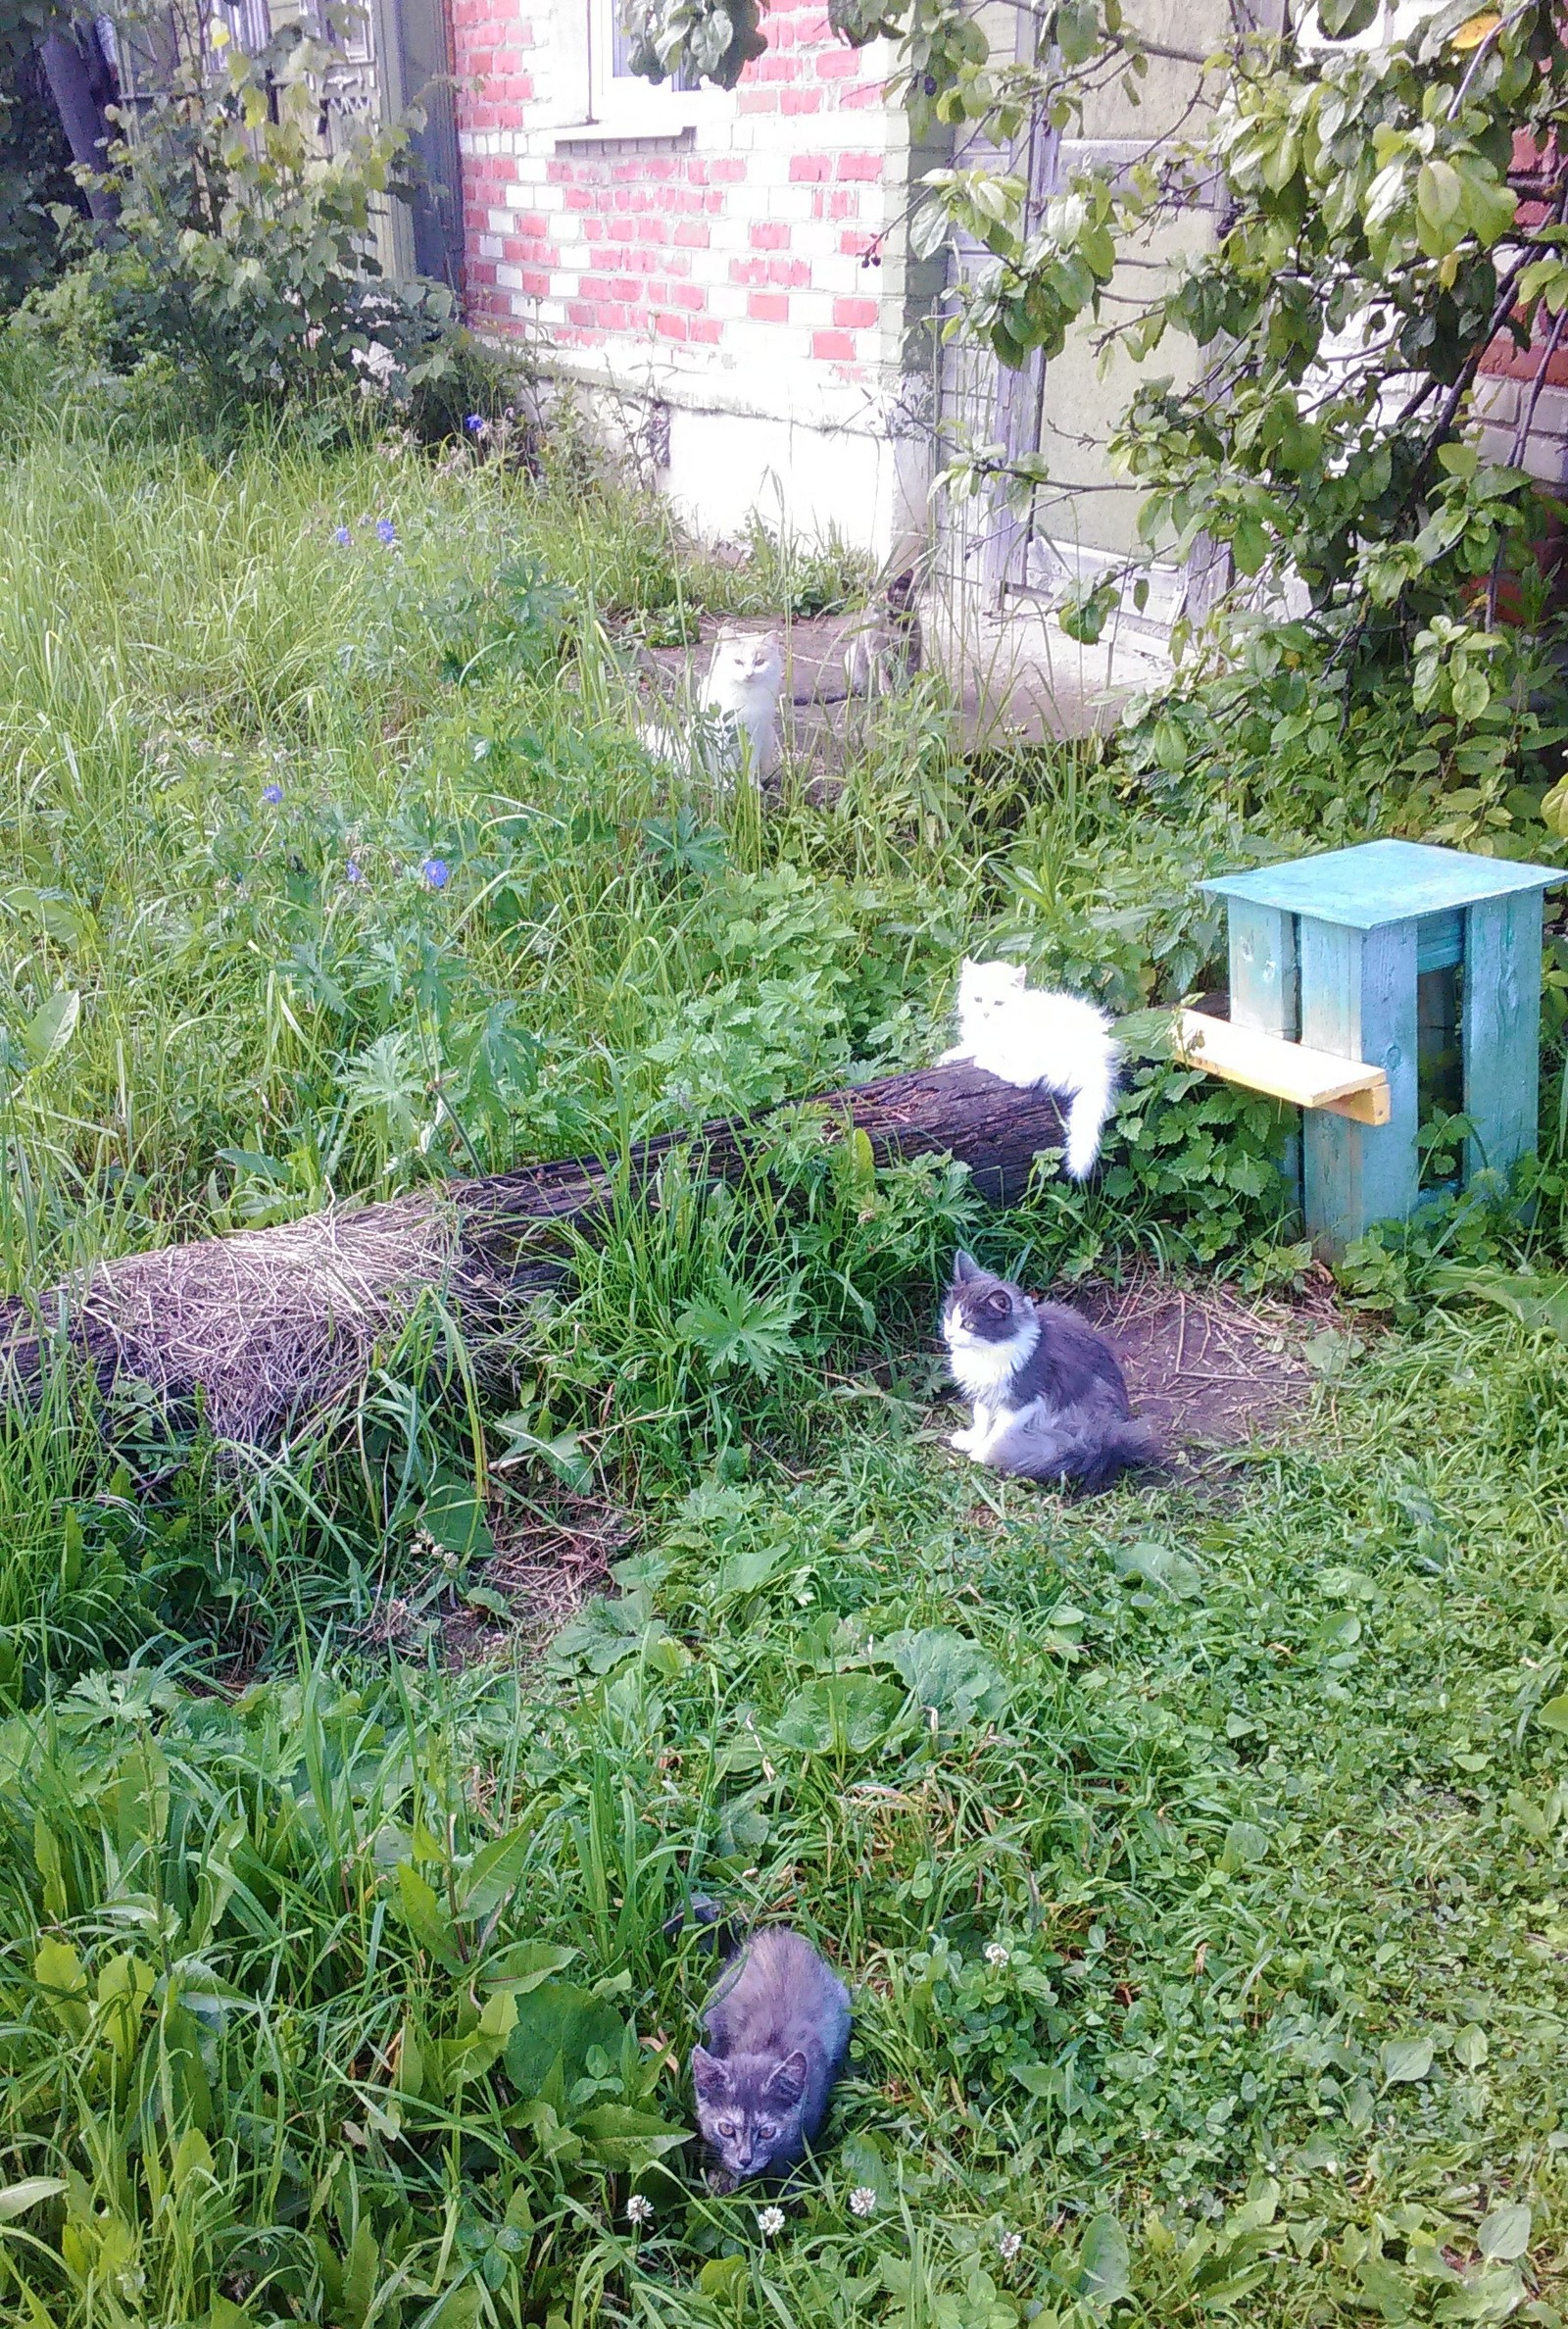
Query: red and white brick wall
x=719 y=254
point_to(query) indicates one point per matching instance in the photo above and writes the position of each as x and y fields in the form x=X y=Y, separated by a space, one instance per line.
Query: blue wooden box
x=1327 y=951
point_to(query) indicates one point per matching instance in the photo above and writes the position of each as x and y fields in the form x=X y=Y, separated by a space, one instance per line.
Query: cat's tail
x=1094 y=1094
x=1125 y=1445
x=720 y=1926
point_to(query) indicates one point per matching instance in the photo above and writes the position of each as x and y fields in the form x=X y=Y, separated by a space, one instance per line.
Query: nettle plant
x=1386 y=212
x=245 y=250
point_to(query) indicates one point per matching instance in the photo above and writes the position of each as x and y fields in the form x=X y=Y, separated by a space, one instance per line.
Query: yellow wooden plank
x=1290 y=1071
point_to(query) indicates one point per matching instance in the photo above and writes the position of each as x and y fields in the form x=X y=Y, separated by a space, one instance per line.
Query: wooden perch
x=1286 y=1070
x=270 y=1324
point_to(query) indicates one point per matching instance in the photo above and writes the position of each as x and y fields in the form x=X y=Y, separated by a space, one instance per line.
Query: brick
x=673 y=327
x=864 y=166
x=833 y=347
x=768 y=307
x=807 y=169
x=856 y=315
x=769 y=234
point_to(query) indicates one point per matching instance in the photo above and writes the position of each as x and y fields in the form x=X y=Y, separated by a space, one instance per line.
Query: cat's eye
x=765 y=2134
x=726 y=2129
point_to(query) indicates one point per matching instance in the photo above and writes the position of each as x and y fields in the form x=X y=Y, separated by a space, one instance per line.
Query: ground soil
x=1211 y=1368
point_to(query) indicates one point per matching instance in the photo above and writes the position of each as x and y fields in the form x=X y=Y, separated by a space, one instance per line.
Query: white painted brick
x=508 y=279
x=500 y=221
x=547 y=310
x=491 y=246
x=565 y=281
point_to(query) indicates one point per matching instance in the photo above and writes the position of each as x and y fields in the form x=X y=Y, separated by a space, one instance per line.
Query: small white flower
x=769 y=2221
x=863 y=2200
x=997 y=1955
x=639 y=2209
x=1010 y=2244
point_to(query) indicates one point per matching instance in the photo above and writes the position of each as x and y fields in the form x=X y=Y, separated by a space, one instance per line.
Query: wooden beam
x=1290 y=1072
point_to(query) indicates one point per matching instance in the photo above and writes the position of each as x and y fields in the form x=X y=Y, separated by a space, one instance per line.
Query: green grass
x=349 y=2001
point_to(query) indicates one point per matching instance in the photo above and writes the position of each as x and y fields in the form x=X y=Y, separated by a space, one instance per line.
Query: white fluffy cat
x=736 y=729
x=1025 y=1037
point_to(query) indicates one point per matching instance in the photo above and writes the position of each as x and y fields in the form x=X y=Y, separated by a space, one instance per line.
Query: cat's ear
x=709 y=2076
x=1014 y=975
x=964 y=1268
x=788 y=2082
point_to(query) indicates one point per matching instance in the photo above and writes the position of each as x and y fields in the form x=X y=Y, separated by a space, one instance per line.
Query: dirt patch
x=1211 y=1368
x=547 y=1562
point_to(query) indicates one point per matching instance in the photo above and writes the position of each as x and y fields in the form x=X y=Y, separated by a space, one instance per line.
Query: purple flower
x=273 y=795
x=385 y=530
x=342 y=536
x=351 y=871
x=436 y=873
x=474 y=423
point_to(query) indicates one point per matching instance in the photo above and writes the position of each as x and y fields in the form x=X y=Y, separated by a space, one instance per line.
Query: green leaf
x=1503 y=2236
x=1406 y=2061
x=16 y=2199
x=1150 y=1563
x=58 y=1970
x=494 y=1873
x=52 y=1025
x=456 y=1518
x=1104 y=2266
x=735 y=1326
x=945 y=1671
x=1554 y=1716
x=428 y=1922
x=842 y=1714
x=1244 y=1846
x=625 y=2140
x=559 y=2022
x=724 y=2276
x=1470 y=2047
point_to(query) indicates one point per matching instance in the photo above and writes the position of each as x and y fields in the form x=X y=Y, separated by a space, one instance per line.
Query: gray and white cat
x=1048 y=1398
x=735 y=730
x=882 y=650
x=778 y=2030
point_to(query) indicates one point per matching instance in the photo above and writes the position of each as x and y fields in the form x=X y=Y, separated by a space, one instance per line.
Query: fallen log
x=271 y=1324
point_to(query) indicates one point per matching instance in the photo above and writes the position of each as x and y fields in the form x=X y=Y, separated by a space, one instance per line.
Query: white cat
x=1025 y=1037
x=736 y=729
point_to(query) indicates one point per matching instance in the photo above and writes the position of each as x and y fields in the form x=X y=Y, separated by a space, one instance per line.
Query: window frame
x=626 y=102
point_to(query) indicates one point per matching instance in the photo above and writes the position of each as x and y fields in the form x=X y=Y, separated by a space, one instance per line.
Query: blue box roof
x=1383 y=882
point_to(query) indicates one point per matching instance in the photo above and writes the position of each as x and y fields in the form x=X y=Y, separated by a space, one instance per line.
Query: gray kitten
x=1048 y=1398
x=778 y=2030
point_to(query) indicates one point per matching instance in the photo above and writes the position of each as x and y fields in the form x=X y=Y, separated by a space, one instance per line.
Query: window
x=623 y=99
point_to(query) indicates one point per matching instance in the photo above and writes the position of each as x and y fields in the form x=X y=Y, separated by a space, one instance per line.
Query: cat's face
x=746 y=659
x=985 y=990
x=982 y=1308
x=749 y=2108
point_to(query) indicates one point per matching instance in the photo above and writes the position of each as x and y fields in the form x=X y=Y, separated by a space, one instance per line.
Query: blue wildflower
x=342 y=536
x=273 y=795
x=351 y=872
x=385 y=530
x=474 y=423
x=436 y=873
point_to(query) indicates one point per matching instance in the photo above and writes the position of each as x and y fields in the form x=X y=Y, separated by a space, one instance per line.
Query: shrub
x=245 y=255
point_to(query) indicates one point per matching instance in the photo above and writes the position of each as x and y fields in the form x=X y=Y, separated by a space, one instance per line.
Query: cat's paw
x=953 y=1058
x=963 y=1441
x=719 y=2179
